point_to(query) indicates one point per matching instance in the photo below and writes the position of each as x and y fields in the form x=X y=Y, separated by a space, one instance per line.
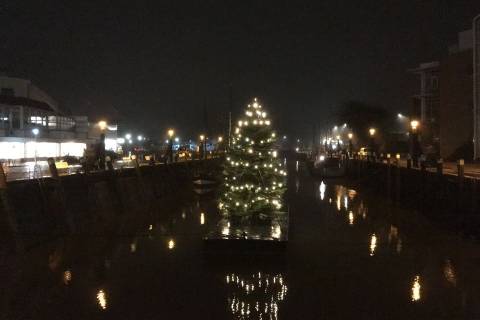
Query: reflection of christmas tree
x=255 y=296
x=254 y=177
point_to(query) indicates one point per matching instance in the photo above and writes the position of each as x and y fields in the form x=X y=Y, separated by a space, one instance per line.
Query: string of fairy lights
x=254 y=176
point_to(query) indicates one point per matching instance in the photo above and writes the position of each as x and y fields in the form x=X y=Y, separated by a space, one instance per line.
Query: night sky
x=158 y=64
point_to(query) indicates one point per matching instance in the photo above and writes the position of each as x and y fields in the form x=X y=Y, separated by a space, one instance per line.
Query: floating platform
x=248 y=235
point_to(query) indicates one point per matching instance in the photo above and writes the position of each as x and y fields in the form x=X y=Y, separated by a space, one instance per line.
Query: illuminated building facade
x=444 y=105
x=426 y=103
x=24 y=107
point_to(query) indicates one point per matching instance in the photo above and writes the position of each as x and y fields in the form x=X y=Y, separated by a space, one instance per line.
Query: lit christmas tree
x=254 y=178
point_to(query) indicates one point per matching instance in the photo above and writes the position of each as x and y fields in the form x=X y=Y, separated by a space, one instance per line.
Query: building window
x=7 y=92
x=38 y=120
x=60 y=123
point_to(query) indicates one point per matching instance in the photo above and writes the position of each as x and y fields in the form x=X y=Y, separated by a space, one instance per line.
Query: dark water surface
x=351 y=255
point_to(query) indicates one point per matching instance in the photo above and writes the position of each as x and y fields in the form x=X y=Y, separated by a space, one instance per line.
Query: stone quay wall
x=449 y=199
x=98 y=203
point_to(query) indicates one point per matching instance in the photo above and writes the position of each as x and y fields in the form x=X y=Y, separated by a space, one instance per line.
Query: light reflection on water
x=171 y=244
x=67 y=277
x=133 y=247
x=449 y=273
x=322 y=189
x=416 y=287
x=102 y=299
x=351 y=218
x=255 y=296
x=373 y=244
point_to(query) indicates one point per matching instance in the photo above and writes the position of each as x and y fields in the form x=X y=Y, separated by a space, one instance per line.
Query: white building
x=24 y=107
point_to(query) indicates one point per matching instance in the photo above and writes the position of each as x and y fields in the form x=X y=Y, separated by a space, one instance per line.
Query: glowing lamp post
x=350 y=144
x=415 y=145
x=101 y=151
x=170 y=134
x=35 y=132
x=202 y=148
x=372 y=132
x=102 y=125
x=414 y=124
x=36 y=168
x=219 y=143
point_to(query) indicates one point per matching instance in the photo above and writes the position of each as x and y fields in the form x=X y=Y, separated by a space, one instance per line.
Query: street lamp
x=35 y=132
x=170 y=134
x=414 y=124
x=102 y=125
x=220 y=139
x=372 y=131
x=415 y=146
x=128 y=136
x=350 y=145
x=139 y=137
x=202 y=147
